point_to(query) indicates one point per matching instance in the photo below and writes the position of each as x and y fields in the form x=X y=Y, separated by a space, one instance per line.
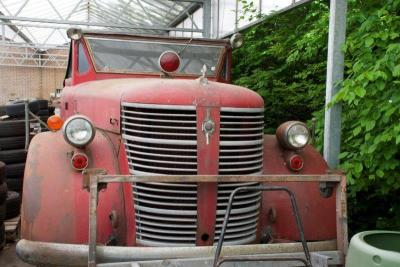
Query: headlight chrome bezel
x=283 y=135
x=67 y=124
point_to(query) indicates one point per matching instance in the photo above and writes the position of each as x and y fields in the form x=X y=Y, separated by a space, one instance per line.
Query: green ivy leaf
x=369 y=42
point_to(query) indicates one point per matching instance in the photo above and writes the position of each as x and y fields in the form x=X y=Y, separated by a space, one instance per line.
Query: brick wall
x=31 y=81
x=24 y=82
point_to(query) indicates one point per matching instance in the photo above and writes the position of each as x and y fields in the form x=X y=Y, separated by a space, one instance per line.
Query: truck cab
x=155 y=105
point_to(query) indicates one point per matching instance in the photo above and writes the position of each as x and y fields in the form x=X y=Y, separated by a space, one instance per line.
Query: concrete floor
x=8 y=258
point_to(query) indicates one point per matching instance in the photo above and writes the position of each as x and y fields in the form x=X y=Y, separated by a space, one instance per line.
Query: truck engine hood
x=101 y=100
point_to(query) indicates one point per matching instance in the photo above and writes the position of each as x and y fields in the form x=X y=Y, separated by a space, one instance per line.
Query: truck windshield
x=134 y=56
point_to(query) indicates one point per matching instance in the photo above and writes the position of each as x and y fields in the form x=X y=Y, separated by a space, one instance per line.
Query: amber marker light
x=54 y=123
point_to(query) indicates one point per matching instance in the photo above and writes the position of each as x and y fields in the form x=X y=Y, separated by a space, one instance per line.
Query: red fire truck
x=163 y=113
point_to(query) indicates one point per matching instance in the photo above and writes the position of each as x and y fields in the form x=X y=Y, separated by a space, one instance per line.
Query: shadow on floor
x=8 y=257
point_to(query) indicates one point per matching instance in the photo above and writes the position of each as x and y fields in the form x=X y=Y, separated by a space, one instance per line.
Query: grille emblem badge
x=208 y=127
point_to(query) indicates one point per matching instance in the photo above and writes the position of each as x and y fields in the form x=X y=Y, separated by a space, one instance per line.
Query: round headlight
x=293 y=135
x=78 y=131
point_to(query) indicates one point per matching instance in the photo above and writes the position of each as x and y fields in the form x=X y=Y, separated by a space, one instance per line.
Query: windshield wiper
x=183 y=49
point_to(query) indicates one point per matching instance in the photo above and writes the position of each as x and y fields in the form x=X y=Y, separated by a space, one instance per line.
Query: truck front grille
x=241 y=153
x=161 y=140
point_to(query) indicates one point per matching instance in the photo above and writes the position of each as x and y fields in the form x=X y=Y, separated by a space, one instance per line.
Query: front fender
x=54 y=204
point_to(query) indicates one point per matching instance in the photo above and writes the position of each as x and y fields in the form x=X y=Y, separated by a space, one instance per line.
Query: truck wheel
x=3 y=192
x=12 y=128
x=43 y=104
x=15 y=170
x=13 y=156
x=13 y=142
x=14 y=184
x=13 y=204
x=2 y=172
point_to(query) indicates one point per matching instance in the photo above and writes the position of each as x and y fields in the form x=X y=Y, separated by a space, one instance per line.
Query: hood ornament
x=208 y=127
x=203 y=77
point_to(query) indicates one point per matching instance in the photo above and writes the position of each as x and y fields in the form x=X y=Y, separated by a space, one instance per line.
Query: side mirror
x=236 y=40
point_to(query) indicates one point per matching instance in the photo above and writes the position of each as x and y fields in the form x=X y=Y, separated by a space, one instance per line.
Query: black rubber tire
x=16 y=109
x=13 y=142
x=2 y=235
x=43 y=112
x=2 y=172
x=51 y=110
x=13 y=204
x=12 y=128
x=13 y=156
x=15 y=170
x=3 y=210
x=14 y=184
x=43 y=104
x=3 y=192
x=3 y=110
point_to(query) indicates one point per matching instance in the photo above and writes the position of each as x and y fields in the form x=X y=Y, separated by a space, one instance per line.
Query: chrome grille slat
x=160 y=126
x=164 y=211
x=240 y=123
x=240 y=163
x=154 y=154
x=161 y=149
x=165 y=225
x=162 y=139
x=241 y=153
x=242 y=129
x=163 y=203
x=162 y=161
x=156 y=120
x=165 y=237
x=242 y=117
x=164 y=168
x=157 y=133
x=167 y=231
x=158 y=114
x=159 y=141
x=169 y=219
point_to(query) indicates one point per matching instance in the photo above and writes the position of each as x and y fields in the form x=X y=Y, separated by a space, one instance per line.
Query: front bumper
x=57 y=254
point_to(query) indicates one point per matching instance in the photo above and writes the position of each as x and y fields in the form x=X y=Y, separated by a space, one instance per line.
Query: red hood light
x=79 y=161
x=169 y=61
x=296 y=162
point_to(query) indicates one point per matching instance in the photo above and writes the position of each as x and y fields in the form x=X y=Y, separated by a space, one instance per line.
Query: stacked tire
x=12 y=137
x=3 y=203
x=12 y=151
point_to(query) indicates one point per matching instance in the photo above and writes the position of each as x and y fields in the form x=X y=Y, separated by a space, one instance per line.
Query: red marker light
x=296 y=162
x=169 y=61
x=79 y=161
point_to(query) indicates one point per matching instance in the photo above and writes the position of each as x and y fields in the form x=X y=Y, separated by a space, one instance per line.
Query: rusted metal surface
x=328 y=258
x=47 y=253
x=299 y=224
x=96 y=179
x=263 y=259
x=218 y=178
x=341 y=216
x=55 y=205
x=207 y=152
x=314 y=209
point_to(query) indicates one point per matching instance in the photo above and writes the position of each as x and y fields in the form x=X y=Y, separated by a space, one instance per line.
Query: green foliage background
x=284 y=60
